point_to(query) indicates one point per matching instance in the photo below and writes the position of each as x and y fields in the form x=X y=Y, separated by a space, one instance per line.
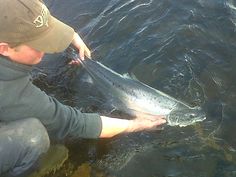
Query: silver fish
x=138 y=99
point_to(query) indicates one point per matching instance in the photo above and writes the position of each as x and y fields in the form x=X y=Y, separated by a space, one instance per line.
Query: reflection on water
x=181 y=47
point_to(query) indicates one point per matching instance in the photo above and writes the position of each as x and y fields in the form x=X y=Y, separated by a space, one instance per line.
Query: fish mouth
x=185 y=117
x=185 y=123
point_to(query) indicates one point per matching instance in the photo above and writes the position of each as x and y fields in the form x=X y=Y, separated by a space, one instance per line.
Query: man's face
x=25 y=55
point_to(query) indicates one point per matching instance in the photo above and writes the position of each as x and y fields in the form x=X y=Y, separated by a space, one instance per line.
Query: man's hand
x=140 y=124
x=81 y=46
x=115 y=126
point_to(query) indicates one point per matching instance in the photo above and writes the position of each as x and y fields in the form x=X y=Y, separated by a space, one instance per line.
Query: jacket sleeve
x=23 y=100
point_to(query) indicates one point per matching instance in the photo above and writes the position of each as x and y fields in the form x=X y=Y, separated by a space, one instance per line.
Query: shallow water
x=184 y=48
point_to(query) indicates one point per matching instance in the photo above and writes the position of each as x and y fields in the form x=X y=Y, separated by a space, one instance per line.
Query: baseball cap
x=29 y=22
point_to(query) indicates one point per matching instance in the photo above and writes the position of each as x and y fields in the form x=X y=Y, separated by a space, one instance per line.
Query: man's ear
x=4 y=49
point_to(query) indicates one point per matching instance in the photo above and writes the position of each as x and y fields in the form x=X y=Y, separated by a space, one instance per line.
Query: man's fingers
x=81 y=54
x=74 y=62
x=151 y=117
x=160 y=121
x=84 y=51
x=145 y=124
x=81 y=46
x=87 y=52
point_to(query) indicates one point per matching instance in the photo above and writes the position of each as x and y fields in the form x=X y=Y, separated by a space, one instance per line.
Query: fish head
x=185 y=116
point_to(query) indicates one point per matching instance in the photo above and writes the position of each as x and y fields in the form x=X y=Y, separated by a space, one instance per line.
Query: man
x=29 y=117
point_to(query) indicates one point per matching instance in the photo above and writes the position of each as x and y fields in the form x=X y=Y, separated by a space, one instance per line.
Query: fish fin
x=87 y=78
x=127 y=76
x=130 y=76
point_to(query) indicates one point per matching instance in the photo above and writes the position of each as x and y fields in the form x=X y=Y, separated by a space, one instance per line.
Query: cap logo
x=42 y=19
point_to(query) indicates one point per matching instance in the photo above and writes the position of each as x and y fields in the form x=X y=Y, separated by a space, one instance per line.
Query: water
x=181 y=47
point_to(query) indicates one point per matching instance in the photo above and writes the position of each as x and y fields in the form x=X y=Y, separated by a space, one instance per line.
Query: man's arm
x=114 y=126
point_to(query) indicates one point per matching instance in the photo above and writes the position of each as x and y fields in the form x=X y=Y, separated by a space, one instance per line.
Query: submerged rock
x=51 y=161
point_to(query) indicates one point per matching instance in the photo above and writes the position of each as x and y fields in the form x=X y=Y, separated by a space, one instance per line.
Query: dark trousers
x=21 y=144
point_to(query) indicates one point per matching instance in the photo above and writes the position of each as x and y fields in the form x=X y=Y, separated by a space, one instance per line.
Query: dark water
x=184 y=48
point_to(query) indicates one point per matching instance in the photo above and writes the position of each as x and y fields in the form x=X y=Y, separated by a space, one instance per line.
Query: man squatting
x=29 y=118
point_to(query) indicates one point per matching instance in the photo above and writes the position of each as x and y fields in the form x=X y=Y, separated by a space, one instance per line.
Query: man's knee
x=23 y=142
x=35 y=134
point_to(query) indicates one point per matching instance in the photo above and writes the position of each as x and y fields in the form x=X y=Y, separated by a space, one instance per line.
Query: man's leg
x=21 y=143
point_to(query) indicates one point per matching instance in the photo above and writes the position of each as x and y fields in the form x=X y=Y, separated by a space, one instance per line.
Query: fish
x=137 y=99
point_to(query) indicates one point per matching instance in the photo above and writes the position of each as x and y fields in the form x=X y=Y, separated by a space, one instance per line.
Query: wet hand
x=81 y=46
x=140 y=124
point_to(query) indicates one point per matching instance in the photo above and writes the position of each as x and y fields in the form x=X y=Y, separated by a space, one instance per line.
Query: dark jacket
x=20 y=99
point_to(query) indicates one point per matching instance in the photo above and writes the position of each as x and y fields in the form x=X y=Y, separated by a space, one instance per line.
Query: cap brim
x=57 y=39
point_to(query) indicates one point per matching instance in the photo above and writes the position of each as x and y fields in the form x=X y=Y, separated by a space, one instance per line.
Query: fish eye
x=191 y=115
